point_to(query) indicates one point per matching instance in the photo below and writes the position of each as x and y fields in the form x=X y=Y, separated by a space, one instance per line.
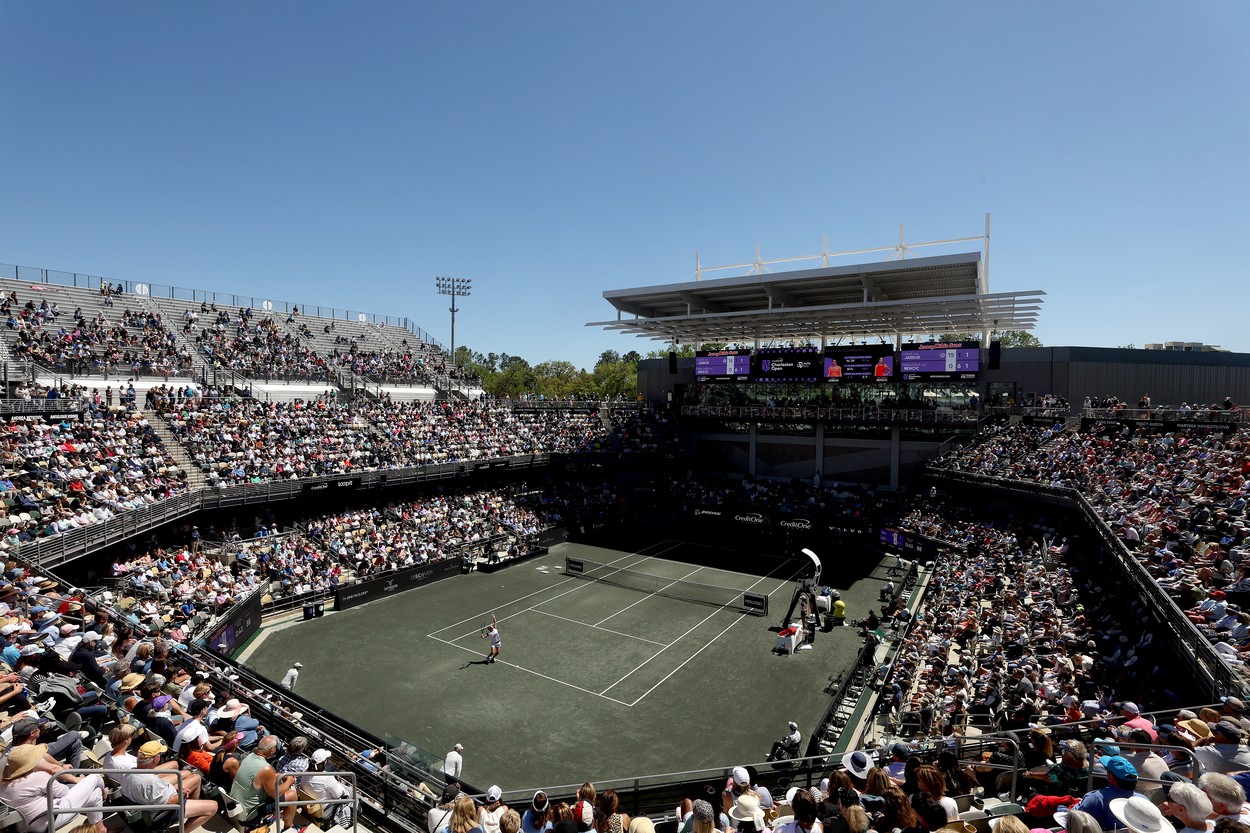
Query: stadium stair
x=195 y=475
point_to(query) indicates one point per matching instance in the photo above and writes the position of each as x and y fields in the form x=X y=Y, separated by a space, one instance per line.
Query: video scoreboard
x=938 y=361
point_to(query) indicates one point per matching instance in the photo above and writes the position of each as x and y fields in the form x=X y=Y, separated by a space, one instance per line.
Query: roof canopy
x=918 y=296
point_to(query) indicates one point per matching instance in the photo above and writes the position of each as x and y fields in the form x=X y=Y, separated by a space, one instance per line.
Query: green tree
x=1009 y=338
x=608 y=357
x=613 y=379
x=633 y=357
x=559 y=379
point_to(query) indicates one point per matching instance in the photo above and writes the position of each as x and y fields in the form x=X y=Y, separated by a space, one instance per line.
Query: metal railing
x=34 y=274
x=889 y=416
x=1238 y=415
x=65 y=546
x=353 y=798
x=1205 y=662
x=180 y=807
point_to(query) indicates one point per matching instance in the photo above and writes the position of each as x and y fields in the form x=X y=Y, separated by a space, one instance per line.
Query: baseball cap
x=321 y=756
x=1129 y=707
x=299 y=665
x=91 y=636
x=494 y=793
x=1120 y=767
x=153 y=749
x=1226 y=729
x=584 y=813
x=741 y=776
x=458 y=748
x=27 y=725
x=198 y=705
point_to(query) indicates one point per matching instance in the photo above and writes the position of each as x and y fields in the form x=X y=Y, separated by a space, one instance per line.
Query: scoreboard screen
x=787 y=364
x=722 y=365
x=866 y=363
x=949 y=360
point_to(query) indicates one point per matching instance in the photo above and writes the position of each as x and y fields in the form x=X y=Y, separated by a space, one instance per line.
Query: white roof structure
x=889 y=299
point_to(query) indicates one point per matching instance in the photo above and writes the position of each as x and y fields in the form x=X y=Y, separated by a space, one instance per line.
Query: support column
x=751 y=448
x=819 y=475
x=896 y=443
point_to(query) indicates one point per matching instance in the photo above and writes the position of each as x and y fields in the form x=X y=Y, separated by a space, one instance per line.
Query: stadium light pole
x=456 y=288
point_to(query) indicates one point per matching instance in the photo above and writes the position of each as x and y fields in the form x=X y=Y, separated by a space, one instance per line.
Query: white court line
x=650 y=595
x=709 y=643
x=596 y=627
x=478 y=653
x=680 y=638
x=546 y=589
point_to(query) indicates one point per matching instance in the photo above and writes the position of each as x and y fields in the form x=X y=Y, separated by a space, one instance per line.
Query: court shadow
x=474 y=662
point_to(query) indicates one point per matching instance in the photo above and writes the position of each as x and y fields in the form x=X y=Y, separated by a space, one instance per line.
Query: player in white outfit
x=492 y=632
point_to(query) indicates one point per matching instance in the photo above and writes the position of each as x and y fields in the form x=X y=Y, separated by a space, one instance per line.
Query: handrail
x=56 y=549
x=36 y=274
x=353 y=799
x=1219 y=677
x=113 y=808
x=900 y=416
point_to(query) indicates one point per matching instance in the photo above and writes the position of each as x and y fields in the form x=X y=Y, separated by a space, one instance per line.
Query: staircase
x=175 y=449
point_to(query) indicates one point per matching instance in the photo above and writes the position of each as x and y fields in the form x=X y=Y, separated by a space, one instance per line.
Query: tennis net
x=667 y=586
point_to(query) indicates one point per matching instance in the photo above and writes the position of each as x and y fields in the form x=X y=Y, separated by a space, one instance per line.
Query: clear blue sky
x=346 y=153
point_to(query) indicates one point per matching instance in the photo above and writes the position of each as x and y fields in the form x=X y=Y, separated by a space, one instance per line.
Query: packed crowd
x=1016 y=634
x=86 y=690
x=134 y=342
x=249 y=441
x=187 y=584
x=257 y=347
x=63 y=475
x=242 y=441
x=1177 y=500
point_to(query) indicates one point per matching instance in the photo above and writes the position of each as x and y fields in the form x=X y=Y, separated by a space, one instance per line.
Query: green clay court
x=593 y=680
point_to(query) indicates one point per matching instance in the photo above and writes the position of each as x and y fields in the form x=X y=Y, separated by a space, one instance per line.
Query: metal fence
x=57 y=549
x=1204 y=662
x=35 y=274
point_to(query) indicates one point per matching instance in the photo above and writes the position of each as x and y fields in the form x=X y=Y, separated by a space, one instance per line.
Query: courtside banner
x=393 y=583
x=241 y=622
x=331 y=485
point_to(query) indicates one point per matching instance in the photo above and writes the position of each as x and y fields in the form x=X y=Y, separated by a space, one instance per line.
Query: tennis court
x=593 y=679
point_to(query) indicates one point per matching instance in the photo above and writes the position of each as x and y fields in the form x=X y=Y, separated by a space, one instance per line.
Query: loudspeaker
x=996 y=354
x=672 y=361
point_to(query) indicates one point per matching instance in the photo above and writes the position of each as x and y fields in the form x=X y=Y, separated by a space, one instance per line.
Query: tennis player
x=492 y=632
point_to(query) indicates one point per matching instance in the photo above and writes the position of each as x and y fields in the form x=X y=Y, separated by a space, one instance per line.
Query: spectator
x=257 y=785
x=1121 y=783
x=148 y=785
x=324 y=787
x=27 y=780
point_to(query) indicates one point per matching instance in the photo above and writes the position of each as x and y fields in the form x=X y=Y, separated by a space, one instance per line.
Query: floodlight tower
x=456 y=288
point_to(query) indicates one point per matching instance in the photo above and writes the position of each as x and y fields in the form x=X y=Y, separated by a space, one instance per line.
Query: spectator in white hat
x=739 y=784
x=492 y=811
x=292 y=677
x=323 y=787
x=788 y=745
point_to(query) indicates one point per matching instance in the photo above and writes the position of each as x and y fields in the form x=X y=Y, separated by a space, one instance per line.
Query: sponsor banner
x=755 y=602
x=1088 y=424
x=331 y=485
x=397 y=582
x=752 y=519
x=572 y=565
x=240 y=624
x=762 y=521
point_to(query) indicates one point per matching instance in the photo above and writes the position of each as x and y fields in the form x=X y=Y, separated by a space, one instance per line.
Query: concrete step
x=195 y=475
